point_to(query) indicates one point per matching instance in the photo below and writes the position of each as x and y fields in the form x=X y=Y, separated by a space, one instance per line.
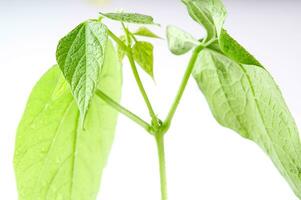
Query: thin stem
x=139 y=82
x=141 y=87
x=133 y=36
x=123 y=110
x=182 y=87
x=117 y=40
x=127 y=33
x=161 y=154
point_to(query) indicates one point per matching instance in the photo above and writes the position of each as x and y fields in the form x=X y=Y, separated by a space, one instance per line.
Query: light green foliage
x=179 y=41
x=143 y=55
x=246 y=99
x=143 y=31
x=235 y=51
x=243 y=96
x=210 y=13
x=54 y=158
x=135 y=18
x=80 y=55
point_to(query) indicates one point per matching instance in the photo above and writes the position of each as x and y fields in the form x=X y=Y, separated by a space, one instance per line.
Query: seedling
x=67 y=130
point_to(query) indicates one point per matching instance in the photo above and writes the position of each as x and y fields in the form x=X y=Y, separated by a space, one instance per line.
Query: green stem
x=141 y=88
x=135 y=72
x=139 y=82
x=161 y=154
x=182 y=87
x=132 y=36
x=127 y=33
x=123 y=110
x=117 y=40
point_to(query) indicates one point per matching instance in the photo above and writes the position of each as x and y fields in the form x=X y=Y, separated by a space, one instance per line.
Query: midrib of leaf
x=55 y=137
x=56 y=173
x=261 y=117
x=84 y=56
x=86 y=82
x=53 y=142
x=78 y=116
x=228 y=102
x=88 y=33
x=72 y=45
x=72 y=153
x=95 y=37
x=41 y=111
x=74 y=156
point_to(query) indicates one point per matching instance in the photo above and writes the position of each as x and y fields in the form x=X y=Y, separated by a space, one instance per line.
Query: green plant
x=66 y=132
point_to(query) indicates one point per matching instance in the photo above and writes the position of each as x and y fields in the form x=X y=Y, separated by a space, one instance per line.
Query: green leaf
x=135 y=18
x=235 y=51
x=143 y=31
x=54 y=157
x=245 y=98
x=179 y=41
x=80 y=55
x=143 y=55
x=210 y=13
x=242 y=95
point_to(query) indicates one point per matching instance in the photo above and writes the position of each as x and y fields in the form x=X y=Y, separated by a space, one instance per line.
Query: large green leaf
x=54 y=157
x=242 y=95
x=80 y=55
x=246 y=99
x=210 y=13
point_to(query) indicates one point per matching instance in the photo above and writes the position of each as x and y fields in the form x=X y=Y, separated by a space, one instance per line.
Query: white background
x=204 y=160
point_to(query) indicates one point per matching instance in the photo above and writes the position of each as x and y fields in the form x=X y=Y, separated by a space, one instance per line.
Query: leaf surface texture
x=55 y=159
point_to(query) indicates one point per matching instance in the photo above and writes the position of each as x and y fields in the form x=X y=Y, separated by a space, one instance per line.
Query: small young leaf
x=54 y=157
x=143 y=31
x=135 y=18
x=143 y=55
x=80 y=55
x=210 y=13
x=179 y=41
